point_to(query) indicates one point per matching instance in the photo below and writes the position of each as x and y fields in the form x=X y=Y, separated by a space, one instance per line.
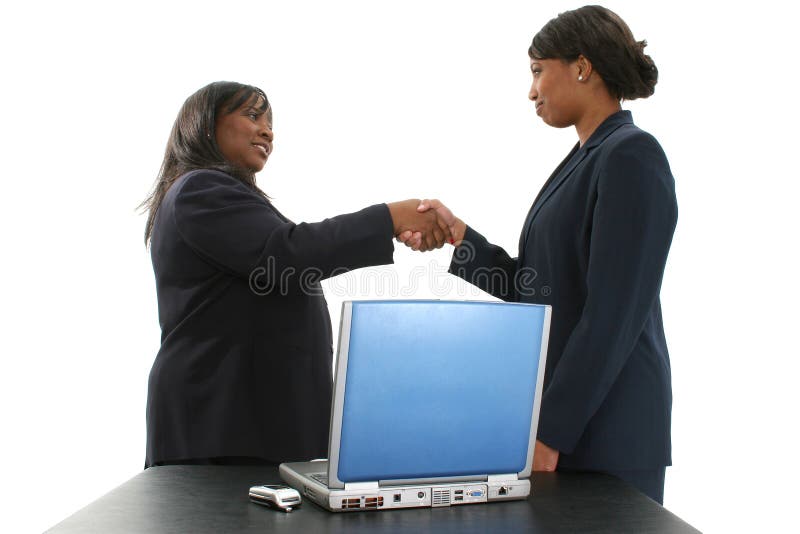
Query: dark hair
x=192 y=143
x=603 y=38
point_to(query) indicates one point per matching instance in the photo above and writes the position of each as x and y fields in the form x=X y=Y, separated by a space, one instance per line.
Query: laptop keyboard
x=322 y=478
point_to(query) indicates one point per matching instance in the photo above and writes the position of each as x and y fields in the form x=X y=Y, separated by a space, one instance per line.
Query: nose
x=266 y=132
x=533 y=93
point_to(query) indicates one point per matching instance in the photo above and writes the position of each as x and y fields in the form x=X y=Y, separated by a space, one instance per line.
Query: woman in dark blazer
x=243 y=374
x=594 y=246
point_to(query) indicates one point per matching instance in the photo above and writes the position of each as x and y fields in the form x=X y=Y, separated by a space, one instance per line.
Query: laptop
x=435 y=403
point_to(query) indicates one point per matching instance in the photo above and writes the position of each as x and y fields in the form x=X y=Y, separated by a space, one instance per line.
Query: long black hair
x=602 y=37
x=192 y=143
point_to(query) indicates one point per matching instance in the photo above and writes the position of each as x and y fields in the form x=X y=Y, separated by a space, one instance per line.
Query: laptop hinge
x=502 y=478
x=358 y=486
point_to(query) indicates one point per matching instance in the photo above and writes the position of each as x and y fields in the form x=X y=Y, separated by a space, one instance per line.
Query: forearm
x=332 y=246
x=483 y=264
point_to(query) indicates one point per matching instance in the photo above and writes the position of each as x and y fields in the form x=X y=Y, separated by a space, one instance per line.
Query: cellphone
x=276 y=496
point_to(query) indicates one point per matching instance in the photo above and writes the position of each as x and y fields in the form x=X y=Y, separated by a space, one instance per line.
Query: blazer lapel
x=557 y=181
x=556 y=173
x=563 y=171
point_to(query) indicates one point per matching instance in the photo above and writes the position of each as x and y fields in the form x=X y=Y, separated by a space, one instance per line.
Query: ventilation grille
x=373 y=502
x=354 y=502
x=441 y=497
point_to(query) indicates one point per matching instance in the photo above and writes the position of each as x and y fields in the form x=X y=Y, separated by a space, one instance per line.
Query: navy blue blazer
x=594 y=247
x=245 y=362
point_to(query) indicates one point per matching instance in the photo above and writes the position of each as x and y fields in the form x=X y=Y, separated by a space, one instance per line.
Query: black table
x=213 y=499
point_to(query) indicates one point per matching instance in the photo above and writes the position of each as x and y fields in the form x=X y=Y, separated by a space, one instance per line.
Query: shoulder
x=632 y=163
x=208 y=179
x=631 y=148
x=212 y=187
x=630 y=139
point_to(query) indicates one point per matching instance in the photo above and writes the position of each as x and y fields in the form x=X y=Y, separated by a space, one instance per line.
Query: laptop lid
x=436 y=390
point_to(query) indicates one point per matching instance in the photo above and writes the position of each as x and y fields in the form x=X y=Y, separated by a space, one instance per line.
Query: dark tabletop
x=200 y=499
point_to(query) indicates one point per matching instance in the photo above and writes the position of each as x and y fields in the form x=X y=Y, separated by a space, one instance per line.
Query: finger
x=416 y=240
x=440 y=231
x=438 y=236
x=423 y=206
x=429 y=240
x=404 y=236
x=446 y=215
x=446 y=229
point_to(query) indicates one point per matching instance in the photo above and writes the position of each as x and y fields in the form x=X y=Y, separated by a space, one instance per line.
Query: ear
x=584 y=68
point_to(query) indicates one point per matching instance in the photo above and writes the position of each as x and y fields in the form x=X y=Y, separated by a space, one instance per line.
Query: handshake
x=426 y=224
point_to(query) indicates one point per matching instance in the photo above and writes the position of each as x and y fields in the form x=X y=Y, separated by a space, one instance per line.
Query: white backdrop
x=373 y=102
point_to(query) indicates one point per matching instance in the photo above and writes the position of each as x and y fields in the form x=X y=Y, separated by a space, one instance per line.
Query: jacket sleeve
x=633 y=222
x=485 y=265
x=237 y=231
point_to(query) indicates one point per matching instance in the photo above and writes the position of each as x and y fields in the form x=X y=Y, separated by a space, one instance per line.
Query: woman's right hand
x=456 y=226
x=427 y=228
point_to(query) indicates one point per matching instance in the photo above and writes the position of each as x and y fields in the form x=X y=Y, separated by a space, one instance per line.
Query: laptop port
x=458 y=492
x=397 y=497
x=373 y=502
x=421 y=494
x=475 y=493
x=458 y=498
x=351 y=503
x=503 y=490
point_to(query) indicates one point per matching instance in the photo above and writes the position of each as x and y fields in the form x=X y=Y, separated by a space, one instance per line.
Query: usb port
x=459 y=492
x=459 y=498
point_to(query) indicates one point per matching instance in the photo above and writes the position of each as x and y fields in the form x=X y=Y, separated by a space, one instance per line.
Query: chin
x=557 y=123
x=257 y=167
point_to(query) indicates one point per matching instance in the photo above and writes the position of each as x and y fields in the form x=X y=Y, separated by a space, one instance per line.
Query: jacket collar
x=606 y=128
x=611 y=123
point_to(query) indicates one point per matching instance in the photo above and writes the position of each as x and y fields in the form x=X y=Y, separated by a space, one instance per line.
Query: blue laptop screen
x=437 y=388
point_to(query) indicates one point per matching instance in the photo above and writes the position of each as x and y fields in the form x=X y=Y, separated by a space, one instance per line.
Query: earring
x=580 y=78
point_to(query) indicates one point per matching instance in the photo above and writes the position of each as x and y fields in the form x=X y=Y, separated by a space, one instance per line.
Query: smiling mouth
x=263 y=149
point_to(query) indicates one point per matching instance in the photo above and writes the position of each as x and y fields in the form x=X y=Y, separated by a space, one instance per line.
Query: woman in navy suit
x=594 y=246
x=243 y=374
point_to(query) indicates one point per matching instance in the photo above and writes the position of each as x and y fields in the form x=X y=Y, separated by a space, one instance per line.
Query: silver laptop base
x=371 y=496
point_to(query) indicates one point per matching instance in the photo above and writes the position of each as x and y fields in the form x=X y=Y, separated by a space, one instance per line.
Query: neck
x=594 y=117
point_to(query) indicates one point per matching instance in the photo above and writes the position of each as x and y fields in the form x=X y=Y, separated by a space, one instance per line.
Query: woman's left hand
x=544 y=458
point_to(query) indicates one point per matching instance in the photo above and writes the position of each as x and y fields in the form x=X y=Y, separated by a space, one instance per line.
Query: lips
x=539 y=107
x=264 y=149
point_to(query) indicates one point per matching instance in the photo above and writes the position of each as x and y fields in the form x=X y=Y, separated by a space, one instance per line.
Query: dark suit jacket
x=244 y=367
x=594 y=246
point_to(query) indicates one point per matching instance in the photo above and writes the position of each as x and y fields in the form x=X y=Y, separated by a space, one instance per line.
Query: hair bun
x=648 y=74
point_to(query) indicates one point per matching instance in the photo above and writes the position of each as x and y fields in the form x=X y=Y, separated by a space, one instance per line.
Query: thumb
x=424 y=205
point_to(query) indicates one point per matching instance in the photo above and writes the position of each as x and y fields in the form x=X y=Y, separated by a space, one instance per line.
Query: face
x=554 y=91
x=244 y=136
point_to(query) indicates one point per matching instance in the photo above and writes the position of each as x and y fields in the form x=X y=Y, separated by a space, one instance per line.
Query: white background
x=373 y=102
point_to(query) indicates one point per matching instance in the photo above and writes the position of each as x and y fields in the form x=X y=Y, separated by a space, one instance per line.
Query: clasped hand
x=425 y=224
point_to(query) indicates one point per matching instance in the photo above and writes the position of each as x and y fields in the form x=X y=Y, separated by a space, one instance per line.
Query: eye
x=253 y=116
